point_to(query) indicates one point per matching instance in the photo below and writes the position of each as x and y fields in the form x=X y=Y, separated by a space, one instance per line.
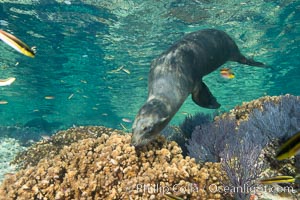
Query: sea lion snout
x=142 y=128
x=143 y=134
x=150 y=120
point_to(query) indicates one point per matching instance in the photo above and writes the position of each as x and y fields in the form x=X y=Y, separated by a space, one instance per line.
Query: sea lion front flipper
x=203 y=97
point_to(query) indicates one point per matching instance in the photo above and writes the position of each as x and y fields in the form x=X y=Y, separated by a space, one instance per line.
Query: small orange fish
x=227 y=73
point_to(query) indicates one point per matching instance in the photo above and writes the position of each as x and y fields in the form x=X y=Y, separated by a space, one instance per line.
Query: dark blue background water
x=80 y=44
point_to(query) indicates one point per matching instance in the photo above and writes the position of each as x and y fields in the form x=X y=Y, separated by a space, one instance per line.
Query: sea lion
x=178 y=72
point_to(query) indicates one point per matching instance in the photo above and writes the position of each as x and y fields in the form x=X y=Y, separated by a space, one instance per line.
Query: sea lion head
x=150 y=120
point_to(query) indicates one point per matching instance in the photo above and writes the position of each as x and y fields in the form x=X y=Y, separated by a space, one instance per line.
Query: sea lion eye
x=147 y=129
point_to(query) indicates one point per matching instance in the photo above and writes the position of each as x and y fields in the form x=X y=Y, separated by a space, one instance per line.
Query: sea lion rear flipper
x=204 y=98
x=249 y=61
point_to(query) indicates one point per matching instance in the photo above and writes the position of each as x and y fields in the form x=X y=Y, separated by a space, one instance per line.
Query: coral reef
x=242 y=112
x=255 y=129
x=100 y=163
x=29 y=132
x=183 y=133
x=23 y=134
x=174 y=133
x=9 y=147
x=108 y=167
x=51 y=146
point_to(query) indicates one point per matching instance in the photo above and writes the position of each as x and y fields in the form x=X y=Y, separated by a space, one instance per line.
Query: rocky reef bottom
x=9 y=147
x=99 y=163
x=108 y=167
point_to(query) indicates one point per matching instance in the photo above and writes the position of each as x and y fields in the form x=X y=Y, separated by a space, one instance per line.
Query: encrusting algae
x=108 y=167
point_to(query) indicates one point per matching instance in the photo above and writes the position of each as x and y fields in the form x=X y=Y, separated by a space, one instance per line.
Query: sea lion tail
x=248 y=61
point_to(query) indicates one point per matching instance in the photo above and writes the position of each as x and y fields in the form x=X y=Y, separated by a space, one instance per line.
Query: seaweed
x=238 y=150
x=241 y=160
x=208 y=140
x=278 y=120
x=275 y=121
x=191 y=121
x=272 y=122
x=238 y=144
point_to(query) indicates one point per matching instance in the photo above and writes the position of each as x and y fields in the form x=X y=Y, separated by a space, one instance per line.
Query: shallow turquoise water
x=79 y=45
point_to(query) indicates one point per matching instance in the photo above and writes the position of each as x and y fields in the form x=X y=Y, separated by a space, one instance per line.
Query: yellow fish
x=290 y=148
x=227 y=73
x=280 y=179
x=8 y=81
x=16 y=44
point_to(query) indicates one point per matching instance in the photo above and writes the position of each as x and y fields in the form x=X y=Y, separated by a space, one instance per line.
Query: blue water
x=80 y=44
